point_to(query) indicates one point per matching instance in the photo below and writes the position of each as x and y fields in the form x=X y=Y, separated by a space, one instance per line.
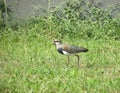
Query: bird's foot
x=81 y=65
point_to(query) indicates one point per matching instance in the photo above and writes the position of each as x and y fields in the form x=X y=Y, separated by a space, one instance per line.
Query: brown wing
x=74 y=49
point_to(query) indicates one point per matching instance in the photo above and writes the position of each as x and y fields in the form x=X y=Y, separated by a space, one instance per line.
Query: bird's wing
x=73 y=49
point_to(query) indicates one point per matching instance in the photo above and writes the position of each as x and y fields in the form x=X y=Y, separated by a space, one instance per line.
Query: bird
x=66 y=49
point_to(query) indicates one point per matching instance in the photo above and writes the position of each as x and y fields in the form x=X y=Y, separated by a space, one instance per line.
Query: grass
x=29 y=63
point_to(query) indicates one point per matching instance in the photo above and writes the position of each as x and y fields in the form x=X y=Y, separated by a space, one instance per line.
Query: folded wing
x=74 y=49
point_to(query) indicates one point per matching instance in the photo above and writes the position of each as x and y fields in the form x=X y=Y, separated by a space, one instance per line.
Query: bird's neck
x=58 y=45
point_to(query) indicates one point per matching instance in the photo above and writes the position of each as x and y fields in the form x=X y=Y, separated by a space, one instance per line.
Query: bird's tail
x=82 y=49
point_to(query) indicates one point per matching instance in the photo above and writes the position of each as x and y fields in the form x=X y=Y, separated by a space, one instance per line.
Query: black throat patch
x=60 y=50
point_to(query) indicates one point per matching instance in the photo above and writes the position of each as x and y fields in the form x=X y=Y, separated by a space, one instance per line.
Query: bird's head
x=57 y=42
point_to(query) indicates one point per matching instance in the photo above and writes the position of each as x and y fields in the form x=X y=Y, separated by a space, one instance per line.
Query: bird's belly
x=62 y=52
x=66 y=53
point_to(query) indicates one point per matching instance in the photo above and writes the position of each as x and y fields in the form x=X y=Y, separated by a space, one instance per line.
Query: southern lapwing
x=69 y=49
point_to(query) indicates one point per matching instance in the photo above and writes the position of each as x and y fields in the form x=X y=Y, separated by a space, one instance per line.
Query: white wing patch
x=65 y=53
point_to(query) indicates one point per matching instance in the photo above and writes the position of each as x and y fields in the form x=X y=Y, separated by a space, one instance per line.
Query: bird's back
x=72 y=49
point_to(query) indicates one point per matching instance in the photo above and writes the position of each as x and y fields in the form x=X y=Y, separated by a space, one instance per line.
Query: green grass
x=29 y=63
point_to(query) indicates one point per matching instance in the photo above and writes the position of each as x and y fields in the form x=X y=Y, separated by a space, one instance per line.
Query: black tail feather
x=84 y=50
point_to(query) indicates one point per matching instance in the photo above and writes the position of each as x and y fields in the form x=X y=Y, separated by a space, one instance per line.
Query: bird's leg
x=78 y=59
x=68 y=59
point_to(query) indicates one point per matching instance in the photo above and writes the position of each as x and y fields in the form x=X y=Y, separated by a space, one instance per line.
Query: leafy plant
x=5 y=12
